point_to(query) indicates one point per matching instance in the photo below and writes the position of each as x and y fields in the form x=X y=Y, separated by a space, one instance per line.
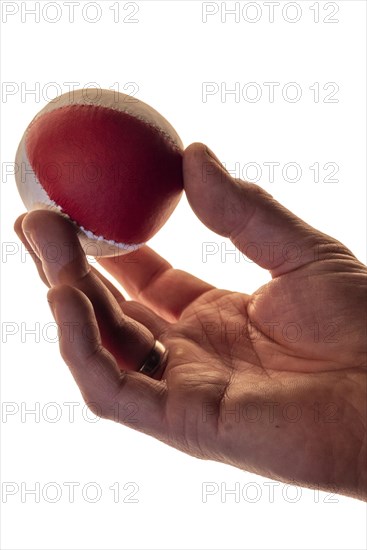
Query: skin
x=273 y=383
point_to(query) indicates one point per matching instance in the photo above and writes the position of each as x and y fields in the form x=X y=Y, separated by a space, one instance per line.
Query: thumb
x=260 y=227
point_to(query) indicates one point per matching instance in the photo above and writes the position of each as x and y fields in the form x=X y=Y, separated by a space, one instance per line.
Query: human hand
x=273 y=383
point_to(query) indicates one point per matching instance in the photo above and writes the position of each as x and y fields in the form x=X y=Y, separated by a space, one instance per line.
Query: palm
x=272 y=383
x=278 y=327
x=231 y=354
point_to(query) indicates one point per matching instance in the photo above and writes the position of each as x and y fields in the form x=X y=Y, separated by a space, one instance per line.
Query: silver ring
x=156 y=359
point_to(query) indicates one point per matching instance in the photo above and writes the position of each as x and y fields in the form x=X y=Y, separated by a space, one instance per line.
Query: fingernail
x=57 y=244
x=33 y=250
x=210 y=153
x=26 y=239
x=212 y=156
x=28 y=236
x=52 y=307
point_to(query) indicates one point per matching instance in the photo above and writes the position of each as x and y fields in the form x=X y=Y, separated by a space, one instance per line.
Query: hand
x=273 y=382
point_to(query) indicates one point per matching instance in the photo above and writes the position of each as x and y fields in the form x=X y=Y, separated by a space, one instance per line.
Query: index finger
x=150 y=279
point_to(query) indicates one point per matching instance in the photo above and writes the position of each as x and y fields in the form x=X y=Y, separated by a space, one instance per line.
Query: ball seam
x=129 y=113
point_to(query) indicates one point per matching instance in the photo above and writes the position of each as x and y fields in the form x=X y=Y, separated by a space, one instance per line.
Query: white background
x=169 y=53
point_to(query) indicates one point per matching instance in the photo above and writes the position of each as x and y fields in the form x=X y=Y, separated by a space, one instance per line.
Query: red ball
x=112 y=164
